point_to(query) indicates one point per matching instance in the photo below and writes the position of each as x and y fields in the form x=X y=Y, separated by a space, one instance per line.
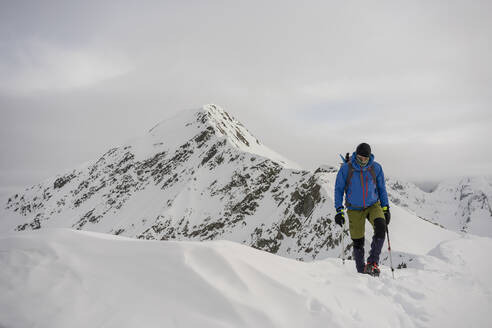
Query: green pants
x=357 y=219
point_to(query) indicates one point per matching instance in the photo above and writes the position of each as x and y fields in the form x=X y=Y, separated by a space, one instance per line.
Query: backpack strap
x=349 y=176
x=373 y=174
x=351 y=173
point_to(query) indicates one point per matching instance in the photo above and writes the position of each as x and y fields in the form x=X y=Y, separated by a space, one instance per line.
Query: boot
x=358 y=254
x=372 y=269
x=376 y=246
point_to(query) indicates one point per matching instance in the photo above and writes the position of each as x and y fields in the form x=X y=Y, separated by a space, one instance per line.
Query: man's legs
x=357 y=226
x=358 y=254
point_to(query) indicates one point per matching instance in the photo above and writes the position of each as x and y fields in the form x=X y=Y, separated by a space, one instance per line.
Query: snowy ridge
x=62 y=278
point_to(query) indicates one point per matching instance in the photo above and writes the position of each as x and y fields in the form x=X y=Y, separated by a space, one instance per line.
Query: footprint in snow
x=315 y=306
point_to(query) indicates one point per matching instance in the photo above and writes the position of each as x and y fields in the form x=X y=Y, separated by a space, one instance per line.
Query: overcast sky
x=311 y=79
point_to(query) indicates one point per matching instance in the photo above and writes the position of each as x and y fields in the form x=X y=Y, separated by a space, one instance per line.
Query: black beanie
x=363 y=150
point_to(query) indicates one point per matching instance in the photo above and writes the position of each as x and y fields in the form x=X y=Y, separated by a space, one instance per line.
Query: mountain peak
x=228 y=126
x=237 y=134
x=209 y=121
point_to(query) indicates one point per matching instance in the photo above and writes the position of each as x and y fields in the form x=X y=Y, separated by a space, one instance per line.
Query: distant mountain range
x=461 y=204
x=201 y=175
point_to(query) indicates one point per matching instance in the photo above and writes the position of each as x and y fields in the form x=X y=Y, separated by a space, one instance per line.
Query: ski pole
x=343 y=248
x=389 y=250
x=343 y=245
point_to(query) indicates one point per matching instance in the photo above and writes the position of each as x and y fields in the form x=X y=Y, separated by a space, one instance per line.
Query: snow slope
x=65 y=278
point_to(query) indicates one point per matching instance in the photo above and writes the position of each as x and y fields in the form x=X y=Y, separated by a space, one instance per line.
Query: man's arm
x=383 y=195
x=340 y=186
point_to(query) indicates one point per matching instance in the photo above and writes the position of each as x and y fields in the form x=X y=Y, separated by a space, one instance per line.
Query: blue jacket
x=362 y=191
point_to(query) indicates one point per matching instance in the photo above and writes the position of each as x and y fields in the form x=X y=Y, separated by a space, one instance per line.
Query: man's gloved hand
x=340 y=217
x=387 y=214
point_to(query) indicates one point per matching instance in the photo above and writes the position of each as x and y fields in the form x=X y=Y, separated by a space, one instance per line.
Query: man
x=361 y=179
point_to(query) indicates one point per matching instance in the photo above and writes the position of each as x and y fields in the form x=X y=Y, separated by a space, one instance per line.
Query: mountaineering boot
x=358 y=254
x=373 y=259
x=372 y=269
x=376 y=246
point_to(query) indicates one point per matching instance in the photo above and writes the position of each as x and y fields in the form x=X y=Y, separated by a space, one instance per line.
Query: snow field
x=66 y=278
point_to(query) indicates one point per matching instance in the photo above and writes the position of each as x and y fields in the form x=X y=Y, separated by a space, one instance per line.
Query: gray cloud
x=411 y=78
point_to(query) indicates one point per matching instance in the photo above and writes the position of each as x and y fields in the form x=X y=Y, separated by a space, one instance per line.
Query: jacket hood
x=356 y=165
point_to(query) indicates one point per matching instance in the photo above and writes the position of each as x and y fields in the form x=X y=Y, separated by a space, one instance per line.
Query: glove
x=340 y=217
x=387 y=214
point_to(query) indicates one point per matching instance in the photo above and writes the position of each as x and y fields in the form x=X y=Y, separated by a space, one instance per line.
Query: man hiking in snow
x=361 y=179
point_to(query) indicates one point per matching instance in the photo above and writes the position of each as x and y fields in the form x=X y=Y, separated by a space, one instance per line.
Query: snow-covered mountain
x=461 y=204
x=197 y=176
x=201 y=175
x=62 y=278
